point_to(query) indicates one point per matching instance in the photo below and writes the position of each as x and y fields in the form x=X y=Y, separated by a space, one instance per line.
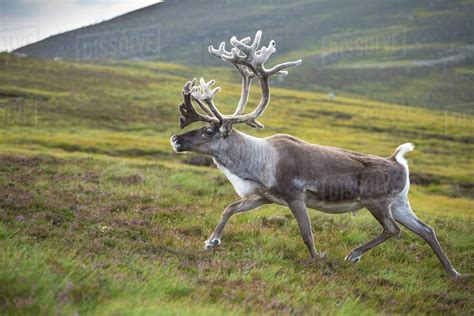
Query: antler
x=203 y=93
x=188 y=112
x=246 y=74
x=250 y=60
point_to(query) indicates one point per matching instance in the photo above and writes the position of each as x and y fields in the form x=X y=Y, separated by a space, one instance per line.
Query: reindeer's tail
x=399 y=156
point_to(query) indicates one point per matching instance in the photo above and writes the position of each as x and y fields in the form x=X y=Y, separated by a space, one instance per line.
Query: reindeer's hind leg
x=403 y=214
x=380 y=209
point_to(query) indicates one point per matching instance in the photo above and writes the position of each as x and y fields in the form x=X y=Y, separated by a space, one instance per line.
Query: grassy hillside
x=408 y=52
x=98 y=216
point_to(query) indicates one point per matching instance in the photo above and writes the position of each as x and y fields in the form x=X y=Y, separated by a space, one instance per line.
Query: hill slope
x=98 y=216
x=409 y=52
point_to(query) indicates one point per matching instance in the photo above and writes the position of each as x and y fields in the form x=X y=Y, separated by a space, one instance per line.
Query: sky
x=27 y=21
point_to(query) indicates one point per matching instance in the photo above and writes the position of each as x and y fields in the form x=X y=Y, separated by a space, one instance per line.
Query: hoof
x=351 y=257
x=456 y=275
x=211 y=244
x=319 y=257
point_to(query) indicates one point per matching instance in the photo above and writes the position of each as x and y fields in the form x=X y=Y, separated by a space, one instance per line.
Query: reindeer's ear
x=225 y=128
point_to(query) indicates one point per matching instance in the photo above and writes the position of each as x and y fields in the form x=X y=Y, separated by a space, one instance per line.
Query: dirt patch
x=133 y=179
x=274 y=221
x=137 y=152
x=25 y=161
x=465 y=189
x=189 y=231
x=333 y=114
x=7 y=94
x=456 y=188
x=424 y=178
x=116 y=206
x=14 y=198
x=387 y=283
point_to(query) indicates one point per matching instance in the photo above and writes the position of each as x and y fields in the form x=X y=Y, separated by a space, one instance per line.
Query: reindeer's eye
x=208 y=132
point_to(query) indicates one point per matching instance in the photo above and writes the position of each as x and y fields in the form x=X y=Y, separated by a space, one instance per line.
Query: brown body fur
x=334 y=174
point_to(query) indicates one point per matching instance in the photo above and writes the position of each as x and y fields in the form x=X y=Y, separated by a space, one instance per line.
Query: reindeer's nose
x=174 y=140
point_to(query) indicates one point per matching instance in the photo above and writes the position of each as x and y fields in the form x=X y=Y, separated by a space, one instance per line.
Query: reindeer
x=287 y=171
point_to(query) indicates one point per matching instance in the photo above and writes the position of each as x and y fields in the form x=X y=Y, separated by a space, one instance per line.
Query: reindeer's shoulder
x=285 y=139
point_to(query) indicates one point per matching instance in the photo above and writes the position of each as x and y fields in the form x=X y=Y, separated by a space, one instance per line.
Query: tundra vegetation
x=99 y=216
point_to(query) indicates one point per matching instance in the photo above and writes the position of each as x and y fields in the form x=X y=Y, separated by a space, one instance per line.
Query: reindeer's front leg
x=236 y=207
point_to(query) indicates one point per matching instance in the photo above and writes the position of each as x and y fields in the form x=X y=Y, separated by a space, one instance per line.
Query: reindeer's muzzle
x=176 y=144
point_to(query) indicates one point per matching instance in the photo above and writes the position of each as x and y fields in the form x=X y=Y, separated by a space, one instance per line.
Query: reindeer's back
x=328 y=168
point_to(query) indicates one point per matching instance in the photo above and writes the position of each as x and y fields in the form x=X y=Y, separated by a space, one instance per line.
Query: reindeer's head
x=248 y=60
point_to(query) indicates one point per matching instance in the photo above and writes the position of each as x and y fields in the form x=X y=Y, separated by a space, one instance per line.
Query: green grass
x=98 y=216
